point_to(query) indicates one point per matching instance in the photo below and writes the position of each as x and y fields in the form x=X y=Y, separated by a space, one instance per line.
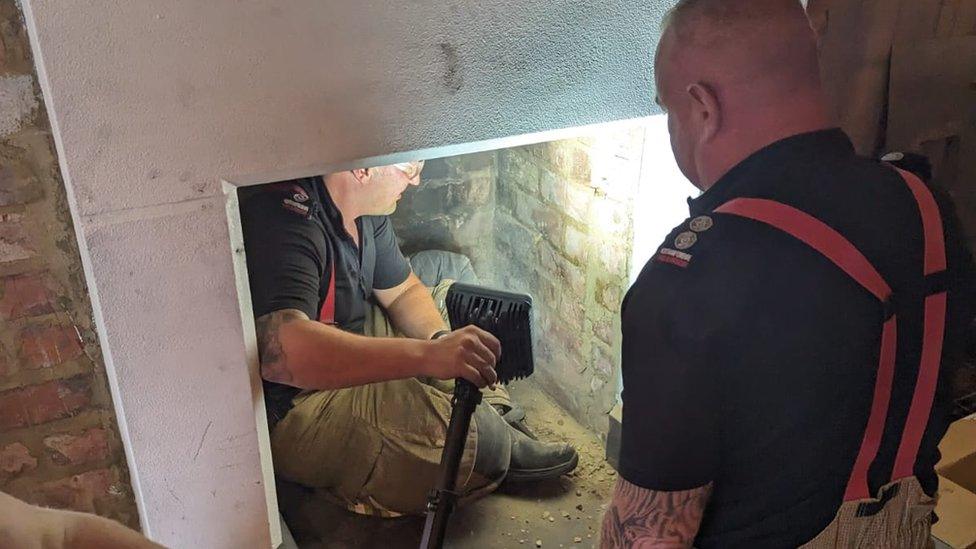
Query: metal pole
x=443 y=497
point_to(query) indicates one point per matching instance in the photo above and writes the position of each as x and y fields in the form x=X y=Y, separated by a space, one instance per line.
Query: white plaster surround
x=156 y=106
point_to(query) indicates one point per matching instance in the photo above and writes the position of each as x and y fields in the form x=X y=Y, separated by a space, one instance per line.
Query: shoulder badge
x=677 y=253
x=701 y=224
x=685 y=240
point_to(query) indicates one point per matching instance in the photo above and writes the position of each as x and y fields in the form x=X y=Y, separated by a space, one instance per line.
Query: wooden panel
x=855 y=47
x=963 y=191
x=930 y=91
x=817 y=12
x=965 y=19
x=917 y=20
x=958 y=18
x=946 y=23
x=943 y=153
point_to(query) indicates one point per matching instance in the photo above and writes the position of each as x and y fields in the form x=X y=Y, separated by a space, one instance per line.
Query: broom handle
x=443 y=497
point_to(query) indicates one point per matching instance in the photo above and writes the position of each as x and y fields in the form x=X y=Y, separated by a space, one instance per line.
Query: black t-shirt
x=749 y=359
x=293 y=238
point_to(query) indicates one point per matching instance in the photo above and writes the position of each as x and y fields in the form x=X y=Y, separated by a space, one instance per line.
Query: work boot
x=534 y=460
x=493 y=453
x=494 y=450
x=501 y=447
x=514 y=415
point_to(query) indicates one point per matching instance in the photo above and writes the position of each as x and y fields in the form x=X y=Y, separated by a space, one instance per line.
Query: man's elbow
x=277 y=372
x=274 y=359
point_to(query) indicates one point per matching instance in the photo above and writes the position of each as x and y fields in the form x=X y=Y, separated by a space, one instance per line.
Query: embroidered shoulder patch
x=294 y=198
x=296 y=207
x=673 y=257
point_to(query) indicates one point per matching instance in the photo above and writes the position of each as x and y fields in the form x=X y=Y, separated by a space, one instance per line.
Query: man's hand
x=24 y=526
x=470 y=353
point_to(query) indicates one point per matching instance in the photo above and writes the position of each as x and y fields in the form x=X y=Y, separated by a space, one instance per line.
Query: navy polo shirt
x=749 y=359
x=293 y=238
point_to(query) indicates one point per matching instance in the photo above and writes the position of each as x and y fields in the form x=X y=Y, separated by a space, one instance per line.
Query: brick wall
x=564 y=234
x=452 y=210
x=59 y=444
x=552 y=220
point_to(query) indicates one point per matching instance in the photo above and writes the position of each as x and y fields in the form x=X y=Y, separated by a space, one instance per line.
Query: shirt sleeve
x=286 y=256
x=670 y=436
x=392 y=269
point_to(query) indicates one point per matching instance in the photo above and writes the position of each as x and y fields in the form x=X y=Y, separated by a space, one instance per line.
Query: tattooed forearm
x=642 y=518
x=274 y=364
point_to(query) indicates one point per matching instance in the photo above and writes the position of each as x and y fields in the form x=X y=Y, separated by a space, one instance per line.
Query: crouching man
x=357 y=357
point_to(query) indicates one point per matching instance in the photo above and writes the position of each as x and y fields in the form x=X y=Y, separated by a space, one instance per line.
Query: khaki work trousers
x=376 y=448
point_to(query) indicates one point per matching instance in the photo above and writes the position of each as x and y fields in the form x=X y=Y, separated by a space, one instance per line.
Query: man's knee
x=383 y=444
x=433 y=266
x=329 y=432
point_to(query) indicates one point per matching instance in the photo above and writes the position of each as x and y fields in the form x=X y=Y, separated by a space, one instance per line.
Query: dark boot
x=533 y=460
x=524 y=459
x=494 y=451
x=514 y=415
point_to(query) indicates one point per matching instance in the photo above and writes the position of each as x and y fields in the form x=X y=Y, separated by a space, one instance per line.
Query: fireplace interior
x=570 y=223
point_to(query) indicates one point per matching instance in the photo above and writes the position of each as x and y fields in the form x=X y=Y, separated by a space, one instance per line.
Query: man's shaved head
x=760 y=41
x=749 y=65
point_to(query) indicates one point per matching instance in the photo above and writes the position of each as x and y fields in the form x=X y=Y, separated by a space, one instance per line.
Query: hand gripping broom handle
x=507 y=316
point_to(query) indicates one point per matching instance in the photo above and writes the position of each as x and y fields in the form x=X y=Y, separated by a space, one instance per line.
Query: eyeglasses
x=411 y=169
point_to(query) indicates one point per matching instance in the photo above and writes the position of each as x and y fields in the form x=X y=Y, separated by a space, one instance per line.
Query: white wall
x=662 y=195
x=153 y=104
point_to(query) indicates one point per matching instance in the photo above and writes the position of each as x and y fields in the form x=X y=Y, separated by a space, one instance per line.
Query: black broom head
x=505 y=315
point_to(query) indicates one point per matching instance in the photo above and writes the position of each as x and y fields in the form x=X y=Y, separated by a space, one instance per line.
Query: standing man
x=355 y=412
x=782 y=351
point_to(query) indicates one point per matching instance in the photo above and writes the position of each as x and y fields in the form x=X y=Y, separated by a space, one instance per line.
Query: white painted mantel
x=154 y=105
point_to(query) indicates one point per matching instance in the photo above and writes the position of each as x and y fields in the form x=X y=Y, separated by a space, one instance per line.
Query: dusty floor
x=562 y=513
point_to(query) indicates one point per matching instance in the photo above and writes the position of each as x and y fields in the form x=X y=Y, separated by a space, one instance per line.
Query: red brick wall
x=59 y=443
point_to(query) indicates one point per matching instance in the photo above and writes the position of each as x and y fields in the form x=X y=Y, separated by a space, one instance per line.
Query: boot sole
x=535 y=475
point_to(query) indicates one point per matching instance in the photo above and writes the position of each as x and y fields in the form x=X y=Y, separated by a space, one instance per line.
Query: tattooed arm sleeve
x=647 y=519
x=274 y=361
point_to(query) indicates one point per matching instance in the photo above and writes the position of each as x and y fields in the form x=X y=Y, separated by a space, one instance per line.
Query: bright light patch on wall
x=662 y=195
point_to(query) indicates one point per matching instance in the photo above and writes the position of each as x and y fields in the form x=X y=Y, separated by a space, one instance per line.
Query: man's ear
x=706 y=108
x=361 y=174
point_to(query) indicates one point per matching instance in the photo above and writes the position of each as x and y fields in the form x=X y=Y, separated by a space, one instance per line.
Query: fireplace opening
x=571 y=223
